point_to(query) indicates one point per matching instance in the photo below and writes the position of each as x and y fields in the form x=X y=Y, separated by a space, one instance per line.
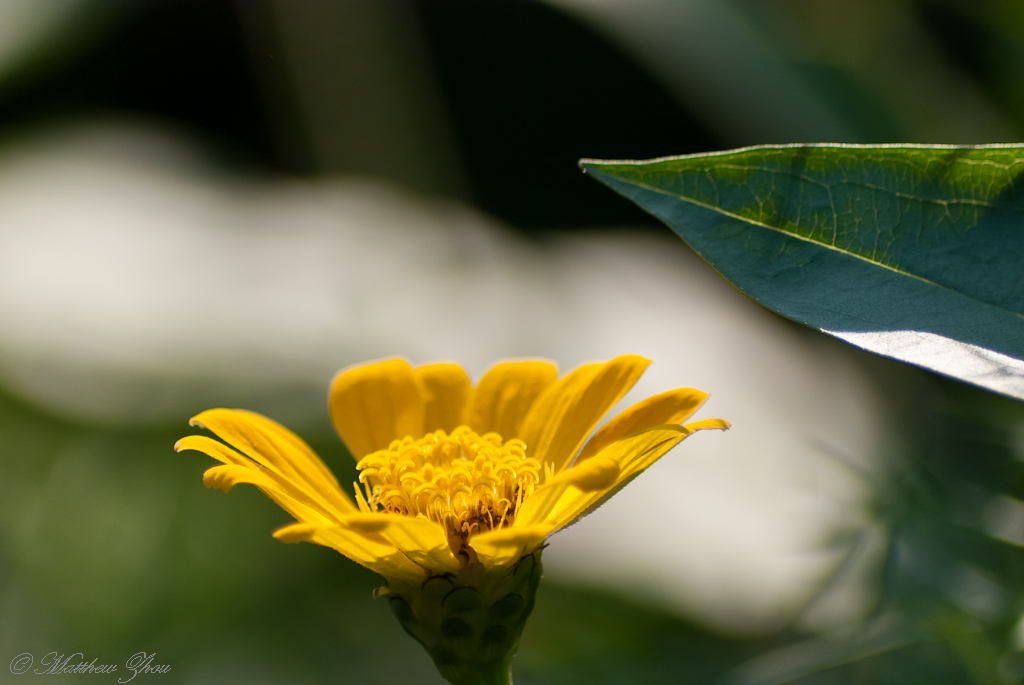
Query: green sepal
x=469 y=622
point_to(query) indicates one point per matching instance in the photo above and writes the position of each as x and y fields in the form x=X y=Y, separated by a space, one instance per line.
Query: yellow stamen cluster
x=466 y=482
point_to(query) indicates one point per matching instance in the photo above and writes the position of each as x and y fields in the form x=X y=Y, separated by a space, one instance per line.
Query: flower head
x=459 y=486
x=450 y=474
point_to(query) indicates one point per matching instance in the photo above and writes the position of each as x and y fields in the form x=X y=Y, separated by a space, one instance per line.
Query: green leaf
x=915 y=252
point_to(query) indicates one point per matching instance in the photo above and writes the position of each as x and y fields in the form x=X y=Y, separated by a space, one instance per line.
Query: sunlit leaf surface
x=911 y=251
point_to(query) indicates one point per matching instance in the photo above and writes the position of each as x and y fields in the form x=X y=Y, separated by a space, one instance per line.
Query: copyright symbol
x=21 y=663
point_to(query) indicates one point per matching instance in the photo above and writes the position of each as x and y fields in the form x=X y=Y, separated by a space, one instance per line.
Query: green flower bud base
x=470 y=622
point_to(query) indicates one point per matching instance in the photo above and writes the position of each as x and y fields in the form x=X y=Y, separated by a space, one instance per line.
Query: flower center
x=466 y=482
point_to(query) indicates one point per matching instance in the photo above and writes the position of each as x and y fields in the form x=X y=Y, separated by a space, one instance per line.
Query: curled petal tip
x=216 y=478
x=707 y=424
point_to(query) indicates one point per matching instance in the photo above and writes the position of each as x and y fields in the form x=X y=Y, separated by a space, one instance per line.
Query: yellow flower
x=452 y=475
x=459 y=486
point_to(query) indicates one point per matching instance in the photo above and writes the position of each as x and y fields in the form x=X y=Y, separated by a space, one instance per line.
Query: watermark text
x=53 y=663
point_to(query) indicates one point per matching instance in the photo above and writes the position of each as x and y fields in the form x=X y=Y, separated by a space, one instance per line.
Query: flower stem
x=495 y=673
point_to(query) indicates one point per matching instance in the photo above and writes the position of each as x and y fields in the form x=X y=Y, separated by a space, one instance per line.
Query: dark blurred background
x=109 y=545
x=458 y=97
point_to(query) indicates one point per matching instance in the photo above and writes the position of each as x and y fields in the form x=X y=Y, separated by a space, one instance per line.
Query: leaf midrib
x=854 y=255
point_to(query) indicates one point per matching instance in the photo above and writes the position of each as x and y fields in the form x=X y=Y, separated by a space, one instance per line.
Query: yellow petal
x=225 y=477
x=285 y=495
x=373 y=404
x=536 y=507
x=515 y=536
x=597 y=474
x=632 y=454
x=445 y=389
x=295 y=500
x=367 y=523
x=708 y=424
x=505 y=545
x=672 y=407
x=504 y=395
x=370 y=550
x=275 y=448
x=297 y=532
x=213 y=448
x=422 y=541
x=565 y=413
